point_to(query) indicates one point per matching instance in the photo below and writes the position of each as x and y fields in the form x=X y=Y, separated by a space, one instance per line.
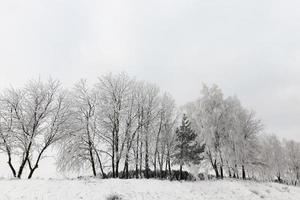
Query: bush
x=175 y=175
x=114 y=197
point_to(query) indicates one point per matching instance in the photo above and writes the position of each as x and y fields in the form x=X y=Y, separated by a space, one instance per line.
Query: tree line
x=124 y=127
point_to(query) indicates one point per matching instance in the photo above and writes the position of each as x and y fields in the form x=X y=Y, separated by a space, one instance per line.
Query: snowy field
x=93 y=189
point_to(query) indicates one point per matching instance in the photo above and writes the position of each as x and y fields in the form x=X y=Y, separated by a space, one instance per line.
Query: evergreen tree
x=187 y=149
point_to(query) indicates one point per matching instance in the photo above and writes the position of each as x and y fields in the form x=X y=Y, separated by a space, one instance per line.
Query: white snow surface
x=96 y=189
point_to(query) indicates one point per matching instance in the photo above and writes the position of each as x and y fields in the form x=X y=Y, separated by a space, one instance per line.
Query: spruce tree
x=187 y=149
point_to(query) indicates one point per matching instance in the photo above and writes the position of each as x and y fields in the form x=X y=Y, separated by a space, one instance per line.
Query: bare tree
x=113 y=97
x=151 y=115
x=248 y=140
x=229 y=130
x=293 y=159
x=34 y=118
x=165 y=125
x=80 y=146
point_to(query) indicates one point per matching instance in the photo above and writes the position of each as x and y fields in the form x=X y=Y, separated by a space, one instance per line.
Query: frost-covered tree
x=229 y=130
x=32 y=119
x=114 y=94
x=165 y=135
x=80 y=147
x=293 y=160
x=274 y=156
x=150 y=115
x=210 y=116
x=248 y=141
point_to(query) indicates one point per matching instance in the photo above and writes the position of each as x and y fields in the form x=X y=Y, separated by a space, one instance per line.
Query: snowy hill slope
x=94 y=189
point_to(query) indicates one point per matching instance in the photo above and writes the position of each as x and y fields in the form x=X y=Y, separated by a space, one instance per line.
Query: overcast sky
x=249 y=48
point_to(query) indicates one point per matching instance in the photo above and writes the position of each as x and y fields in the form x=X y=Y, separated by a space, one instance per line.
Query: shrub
x=114 y=197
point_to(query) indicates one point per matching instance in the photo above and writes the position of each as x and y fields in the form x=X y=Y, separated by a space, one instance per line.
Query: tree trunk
x=216 y=169
x=126 y=169
x=24 y=160
x=137 y=157
x=161 y=163
x=136 y=169
x=221 y=171
x=92 y=159
x=279 y=178
x=117 y=167
x=117 y=149
x=21 y=168
x=169 y=167
x=156 y=147
x=154 y=166
x=180 y=172
x=31 y=172
x=236 y=172
x=113 y=156
x=12 y=168
x=10 y=163
x=161 y=170
x=141 y=160
x=36 y=165
x=166 y=167
x=125 y=173
x=243 y=172
x=146 y=158
x=229 y=172
x=168 y=164
x=100 y=163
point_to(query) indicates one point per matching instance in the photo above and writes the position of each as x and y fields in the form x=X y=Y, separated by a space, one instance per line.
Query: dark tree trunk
x=166 y=167
x=137 y=165
x=221 y=171
x=36 y=165
x=147 y=159
x=154 y=166
x=216 y=169
x=137 y=157
x=297 y=176
x=12 y=168
x=125 y=170
x=24 y=160
x=156 y=147
x=161 y=170
x=136 y=170
x=169 y=164
x=117 y=149
x=10 y=163
x=141 y=160
x=161 y=164
x=21 y=168
x=117 y=168
x=279 y=178
x=92 y=160
x=236 y=172
x=100 y=163
x=180 y=172
x=113 y=156
x=31 y=173
x=243 y=172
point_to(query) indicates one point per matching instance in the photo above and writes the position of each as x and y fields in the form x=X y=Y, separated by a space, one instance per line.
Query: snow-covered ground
x=95 y=189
